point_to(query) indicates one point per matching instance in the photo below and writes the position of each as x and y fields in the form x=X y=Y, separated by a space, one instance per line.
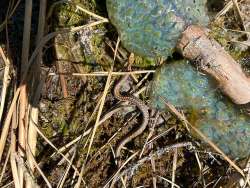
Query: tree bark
x=210 y=57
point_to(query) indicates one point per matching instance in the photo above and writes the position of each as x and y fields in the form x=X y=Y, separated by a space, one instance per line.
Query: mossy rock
x=151 y=28
x=211 y=112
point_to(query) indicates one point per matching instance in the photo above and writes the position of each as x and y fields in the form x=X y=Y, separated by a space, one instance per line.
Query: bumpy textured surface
x=214 y=115
x=151 y=28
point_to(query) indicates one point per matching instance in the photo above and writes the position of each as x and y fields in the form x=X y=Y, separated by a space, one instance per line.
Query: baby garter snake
x=135 y=101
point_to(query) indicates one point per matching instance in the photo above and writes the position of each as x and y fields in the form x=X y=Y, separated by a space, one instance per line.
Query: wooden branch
x=212 y=59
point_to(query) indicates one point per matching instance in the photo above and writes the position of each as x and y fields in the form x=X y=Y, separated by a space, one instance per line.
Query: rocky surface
x=218 y=118
x=151 y=28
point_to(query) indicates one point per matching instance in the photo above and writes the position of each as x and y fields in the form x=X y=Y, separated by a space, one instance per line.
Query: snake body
x=140 y=105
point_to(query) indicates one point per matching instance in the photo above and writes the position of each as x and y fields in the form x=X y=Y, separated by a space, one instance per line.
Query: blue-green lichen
x=215 y=116
x=151 y=28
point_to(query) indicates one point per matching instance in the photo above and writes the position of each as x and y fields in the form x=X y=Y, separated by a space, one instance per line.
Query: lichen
x=216 y=116
x=151 y=28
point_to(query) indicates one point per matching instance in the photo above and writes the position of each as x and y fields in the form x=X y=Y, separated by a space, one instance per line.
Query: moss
x=98 y=47
x=144 y=62
x=219 y=34
x=67 y=16
x=224 y=38
x=85 y=46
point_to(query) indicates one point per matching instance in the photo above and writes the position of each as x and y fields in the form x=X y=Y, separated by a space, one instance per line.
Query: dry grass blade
x=99 y=111
x=198 y=160
x=161 y=134
x=82 y=168
x=154 y=170
x=239 y=14
x=63 y=178
x=13 y=144
x=8 y=185
x=248 y=174
x=91 y=13
x=228 y=6
x=14 y=169
x=5 y=165
x=152 y=129
x=183 y=119
x=121 y=167
x=107 y=85
x=172 y=183
x=22 y=123
x=67 y=146
x=8 y=16
x=246 y=43
x=26 y=173
x=78 y=7
x=40 y=171
x=237 y=31
x=6 y=125
x=6 y=81
x=35 y=91
x=87 y=132
x=174 y=167
x=54 y=147
x=103 y=73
